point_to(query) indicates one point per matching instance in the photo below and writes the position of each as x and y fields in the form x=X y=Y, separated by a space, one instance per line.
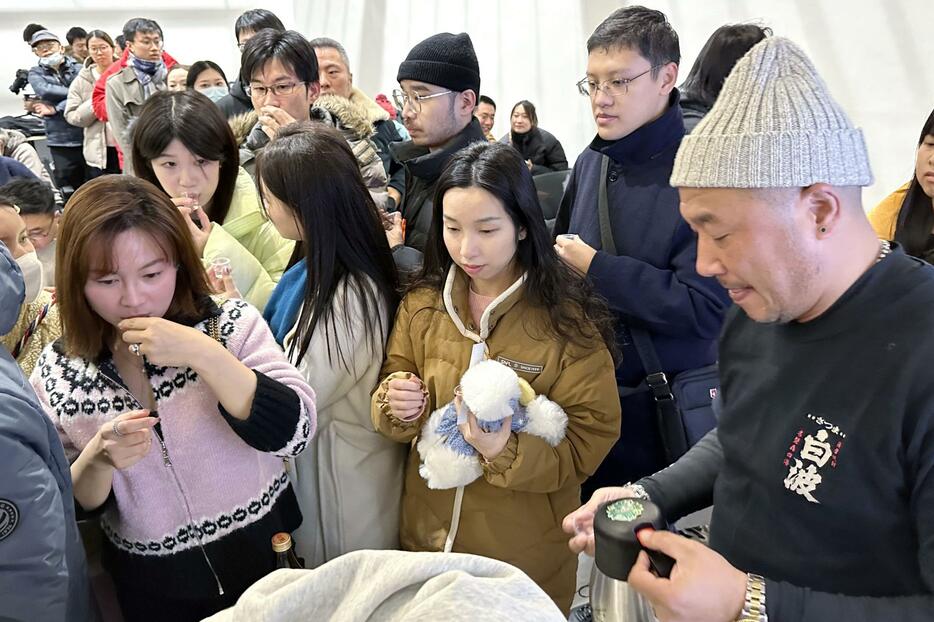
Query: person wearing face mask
x=183 y=145
x=39 y=210
x=50 y=80
x=38 y=322
x=100 y=151
x=207 y=77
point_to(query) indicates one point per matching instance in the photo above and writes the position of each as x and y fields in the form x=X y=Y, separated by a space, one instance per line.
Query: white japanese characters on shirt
x=809 y=454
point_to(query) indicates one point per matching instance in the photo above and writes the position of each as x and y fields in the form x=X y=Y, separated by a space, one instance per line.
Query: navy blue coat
x=51 y=85
x=651 y=282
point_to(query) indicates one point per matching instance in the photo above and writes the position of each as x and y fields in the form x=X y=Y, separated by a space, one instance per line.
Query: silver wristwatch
x=638 y=491
x=754 y=605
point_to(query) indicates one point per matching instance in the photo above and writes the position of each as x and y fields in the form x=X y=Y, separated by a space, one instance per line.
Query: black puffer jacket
x=541 y=148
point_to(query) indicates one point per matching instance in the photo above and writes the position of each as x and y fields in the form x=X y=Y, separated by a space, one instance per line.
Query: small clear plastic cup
x=220 y=266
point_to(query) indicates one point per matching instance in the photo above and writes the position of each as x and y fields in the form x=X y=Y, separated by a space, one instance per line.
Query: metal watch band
x=754 y=605
x=638 y=491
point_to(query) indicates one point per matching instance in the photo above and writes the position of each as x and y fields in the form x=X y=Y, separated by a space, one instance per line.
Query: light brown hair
x=95 y=215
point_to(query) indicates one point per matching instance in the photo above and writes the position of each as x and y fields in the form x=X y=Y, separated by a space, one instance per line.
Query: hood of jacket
x=10 y=140
x=374 y=112
x=12 y=290
x=351 y=115
x=343 y=114
x=242 y=125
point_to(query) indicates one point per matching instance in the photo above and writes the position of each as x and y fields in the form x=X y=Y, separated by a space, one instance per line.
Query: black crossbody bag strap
x=670 y=425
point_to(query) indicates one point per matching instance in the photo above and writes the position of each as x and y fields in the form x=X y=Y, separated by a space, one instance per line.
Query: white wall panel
x=873 y=55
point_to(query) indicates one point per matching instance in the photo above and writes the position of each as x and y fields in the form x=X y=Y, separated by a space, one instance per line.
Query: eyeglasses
x=280 y=90
x=619 y=86
x=40 y=234
x=46 y=46
x=402 y=98
x=100 y=49
x=154 y=42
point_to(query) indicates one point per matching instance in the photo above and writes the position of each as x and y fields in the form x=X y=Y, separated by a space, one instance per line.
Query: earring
x=823 y=229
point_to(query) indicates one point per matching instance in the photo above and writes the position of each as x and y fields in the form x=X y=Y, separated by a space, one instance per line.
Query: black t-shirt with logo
x=827 y=434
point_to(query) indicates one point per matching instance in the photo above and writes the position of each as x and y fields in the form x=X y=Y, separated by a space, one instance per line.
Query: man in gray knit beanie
x=821 y=469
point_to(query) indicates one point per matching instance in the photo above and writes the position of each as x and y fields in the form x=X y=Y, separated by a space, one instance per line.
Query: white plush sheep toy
x=492 y=392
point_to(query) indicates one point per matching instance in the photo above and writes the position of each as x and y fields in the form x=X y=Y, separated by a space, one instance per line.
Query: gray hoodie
x=43 y=573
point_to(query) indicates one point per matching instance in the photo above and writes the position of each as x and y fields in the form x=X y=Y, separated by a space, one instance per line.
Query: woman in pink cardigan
x=174 y=412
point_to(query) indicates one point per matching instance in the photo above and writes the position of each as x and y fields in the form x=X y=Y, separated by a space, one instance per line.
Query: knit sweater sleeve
x=46 y=368
x=283 y=414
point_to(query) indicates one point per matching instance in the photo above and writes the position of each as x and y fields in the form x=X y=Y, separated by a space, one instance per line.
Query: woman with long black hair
x=907 y=215
x=493 y=287
x=331 y=312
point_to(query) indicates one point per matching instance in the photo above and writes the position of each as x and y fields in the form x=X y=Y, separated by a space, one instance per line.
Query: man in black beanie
x=439 y=85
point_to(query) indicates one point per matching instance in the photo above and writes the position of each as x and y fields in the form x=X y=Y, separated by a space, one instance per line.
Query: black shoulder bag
x=684 y=404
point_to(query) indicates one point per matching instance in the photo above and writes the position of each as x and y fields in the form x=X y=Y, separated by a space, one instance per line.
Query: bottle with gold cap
x=285 y=553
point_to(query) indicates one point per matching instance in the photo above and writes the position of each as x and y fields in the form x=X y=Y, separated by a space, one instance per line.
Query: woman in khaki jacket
x=492 y=287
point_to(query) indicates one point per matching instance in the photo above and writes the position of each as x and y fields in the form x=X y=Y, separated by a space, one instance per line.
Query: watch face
x=625 y=510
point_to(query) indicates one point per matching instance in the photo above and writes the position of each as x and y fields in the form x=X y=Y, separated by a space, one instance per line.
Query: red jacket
x=99 y=98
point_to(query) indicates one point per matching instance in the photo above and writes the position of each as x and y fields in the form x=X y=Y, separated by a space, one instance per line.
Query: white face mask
x=52 y=60
x=31 y=268
x=214 y=93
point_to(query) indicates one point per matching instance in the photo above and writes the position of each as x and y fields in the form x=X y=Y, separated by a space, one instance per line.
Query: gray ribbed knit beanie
x=445 y=60
x=774 y=125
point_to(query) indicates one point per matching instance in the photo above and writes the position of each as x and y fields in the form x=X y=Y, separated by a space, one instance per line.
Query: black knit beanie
x=443 y=59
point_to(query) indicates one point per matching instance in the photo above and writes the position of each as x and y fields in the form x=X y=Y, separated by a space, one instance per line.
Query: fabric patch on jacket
x=529 y=368
x=9 y=517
